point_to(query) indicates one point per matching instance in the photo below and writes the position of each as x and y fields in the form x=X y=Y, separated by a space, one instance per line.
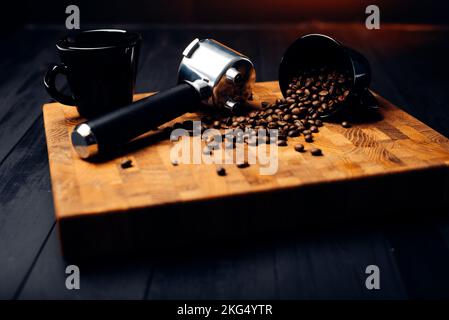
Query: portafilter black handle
x=110 y=131
x=209 y=73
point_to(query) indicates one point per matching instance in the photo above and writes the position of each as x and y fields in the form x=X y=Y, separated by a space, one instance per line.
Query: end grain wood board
x=396 y=162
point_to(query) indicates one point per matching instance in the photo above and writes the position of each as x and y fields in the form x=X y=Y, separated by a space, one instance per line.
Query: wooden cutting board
x=382 y=166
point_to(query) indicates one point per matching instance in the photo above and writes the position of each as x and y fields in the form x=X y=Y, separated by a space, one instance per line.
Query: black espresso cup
x=100 y=66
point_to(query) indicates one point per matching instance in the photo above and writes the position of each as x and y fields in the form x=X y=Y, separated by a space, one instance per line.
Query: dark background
x=15 y=13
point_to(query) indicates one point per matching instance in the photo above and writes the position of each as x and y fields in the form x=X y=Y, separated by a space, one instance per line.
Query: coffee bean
x=316 y=152
x=300 y=126
x=243 y=165
x=323 y=93
x=282 y=136
x=308 y=138
x=125 y=164
x=293 y=133
x=314 y=129
x=281 y=123
x=282 y=143
x=221 y=171
x=272 y=125
x=296 y=111
x=345 y=124
x=299 y=147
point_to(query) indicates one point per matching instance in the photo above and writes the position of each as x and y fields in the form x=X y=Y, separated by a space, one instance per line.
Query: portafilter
x=209 y=73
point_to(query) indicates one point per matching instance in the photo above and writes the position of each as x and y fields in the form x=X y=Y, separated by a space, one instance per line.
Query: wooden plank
x=23 y=66
x=108 y=279
x=314 y=264
x=26 y=209
x=422 y=258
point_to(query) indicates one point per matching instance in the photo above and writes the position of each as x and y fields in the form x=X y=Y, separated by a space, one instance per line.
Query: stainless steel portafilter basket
x=209 y=73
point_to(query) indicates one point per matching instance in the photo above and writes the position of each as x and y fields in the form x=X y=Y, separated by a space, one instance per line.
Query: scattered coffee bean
x=345 y=124
x=174 y=162
x=299 y=147
x=243 y=165
x=316 y=152
x=125 y=164
x=293 y=133
x=308 y=138
x=221 y=171
x=282 y=143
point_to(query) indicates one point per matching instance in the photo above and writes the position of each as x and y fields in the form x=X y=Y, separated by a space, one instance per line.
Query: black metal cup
x=100 y=66
x=317 y=51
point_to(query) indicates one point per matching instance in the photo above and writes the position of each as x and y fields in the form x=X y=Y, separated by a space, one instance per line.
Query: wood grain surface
x=394 y=143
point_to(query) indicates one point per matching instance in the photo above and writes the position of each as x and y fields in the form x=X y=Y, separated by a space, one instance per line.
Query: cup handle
x=49 y=82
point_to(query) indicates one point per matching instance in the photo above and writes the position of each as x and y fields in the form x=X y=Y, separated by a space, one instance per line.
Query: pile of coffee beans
x=320 y=92
x=311 y=96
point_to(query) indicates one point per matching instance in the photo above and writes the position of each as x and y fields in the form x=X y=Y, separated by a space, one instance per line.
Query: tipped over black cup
x=316 y=51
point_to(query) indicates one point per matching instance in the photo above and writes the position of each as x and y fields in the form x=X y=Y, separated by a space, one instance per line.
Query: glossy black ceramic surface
x=100 y=66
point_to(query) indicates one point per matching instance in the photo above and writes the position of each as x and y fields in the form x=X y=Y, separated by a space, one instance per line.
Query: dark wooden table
x=410 y=68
